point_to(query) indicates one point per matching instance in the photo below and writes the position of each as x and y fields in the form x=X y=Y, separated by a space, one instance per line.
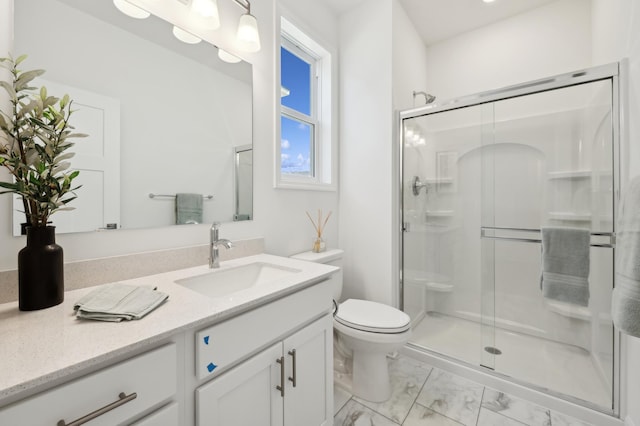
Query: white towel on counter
x=117 y=302
x=565 y=264
x=625 y=303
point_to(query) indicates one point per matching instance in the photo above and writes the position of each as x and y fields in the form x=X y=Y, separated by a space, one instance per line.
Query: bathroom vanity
x=258 y=354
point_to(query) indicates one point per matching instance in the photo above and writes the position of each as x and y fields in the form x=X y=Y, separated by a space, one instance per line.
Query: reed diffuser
x=318 y=243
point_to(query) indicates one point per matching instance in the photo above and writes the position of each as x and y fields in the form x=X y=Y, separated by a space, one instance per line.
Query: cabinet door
x=245 y=395
x=310 y=402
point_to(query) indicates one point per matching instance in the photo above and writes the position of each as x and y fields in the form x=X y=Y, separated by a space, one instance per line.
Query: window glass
x=296 y=147
x=296 y=79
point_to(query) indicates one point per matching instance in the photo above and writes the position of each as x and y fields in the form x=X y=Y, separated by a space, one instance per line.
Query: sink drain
x=492 y=350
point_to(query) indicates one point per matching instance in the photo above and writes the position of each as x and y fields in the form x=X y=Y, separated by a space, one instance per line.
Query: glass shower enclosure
x=481 y=177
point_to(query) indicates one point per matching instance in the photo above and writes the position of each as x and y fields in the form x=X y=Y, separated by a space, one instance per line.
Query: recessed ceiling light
x=488 y=1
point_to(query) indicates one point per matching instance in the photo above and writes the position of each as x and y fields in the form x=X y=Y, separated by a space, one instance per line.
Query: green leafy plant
x=35 y=136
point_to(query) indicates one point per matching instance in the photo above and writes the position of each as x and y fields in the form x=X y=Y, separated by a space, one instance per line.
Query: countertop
x=37 y=347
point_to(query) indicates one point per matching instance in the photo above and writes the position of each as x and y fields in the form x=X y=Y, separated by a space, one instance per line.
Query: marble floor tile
x=491 y=418
x=356 y=414
x=558 y=419
x=515 y=408
x=453 y=396
x=340 y=397
x=422 y=416
x=407 y=377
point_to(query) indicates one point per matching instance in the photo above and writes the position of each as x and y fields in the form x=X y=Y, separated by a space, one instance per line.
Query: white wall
x=279 y=214
x=549 y=40
x=616 y=25
x=409 y=61
x=366 y=155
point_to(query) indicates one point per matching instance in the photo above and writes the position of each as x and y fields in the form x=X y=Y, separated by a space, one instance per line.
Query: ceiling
x=437 y=20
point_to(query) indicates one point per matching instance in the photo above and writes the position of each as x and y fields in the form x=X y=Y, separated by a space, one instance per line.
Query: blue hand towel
x=565 y=264
x=188 y=209
x=625 y=302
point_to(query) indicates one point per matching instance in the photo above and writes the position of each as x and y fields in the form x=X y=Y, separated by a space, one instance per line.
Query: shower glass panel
x=479 y=184
x=441 y=215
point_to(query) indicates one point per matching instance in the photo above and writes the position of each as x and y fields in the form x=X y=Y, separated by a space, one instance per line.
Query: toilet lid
x=372 y=316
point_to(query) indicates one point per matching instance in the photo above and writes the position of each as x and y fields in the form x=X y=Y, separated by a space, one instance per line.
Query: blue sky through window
x=297 y=136
x=295 y=75
x=295 y=149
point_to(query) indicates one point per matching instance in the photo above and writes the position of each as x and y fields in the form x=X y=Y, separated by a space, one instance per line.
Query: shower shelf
x=578 y=174
x=431 y=285
x=578 y=217
x=439 y=213
x=569 y=310
x=439 y=180
x=439 y=287
x=571 y=174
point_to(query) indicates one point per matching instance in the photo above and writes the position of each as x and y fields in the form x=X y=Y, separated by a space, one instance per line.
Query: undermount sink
x=224 y=282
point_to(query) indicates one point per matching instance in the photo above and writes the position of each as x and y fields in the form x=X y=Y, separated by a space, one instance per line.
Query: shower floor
x=555 y=366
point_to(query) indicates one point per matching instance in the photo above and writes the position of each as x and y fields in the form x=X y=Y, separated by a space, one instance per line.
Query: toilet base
x=371 y=376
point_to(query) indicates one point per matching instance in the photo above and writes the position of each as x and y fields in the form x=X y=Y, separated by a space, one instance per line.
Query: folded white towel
x=117 y=302
x=625 y=302
x=565 y=264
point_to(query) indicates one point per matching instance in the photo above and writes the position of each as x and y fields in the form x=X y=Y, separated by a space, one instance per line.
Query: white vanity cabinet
x=287 y=375
x=288 y=384
x=168 y=415
x=259 y=357
x=116 y=395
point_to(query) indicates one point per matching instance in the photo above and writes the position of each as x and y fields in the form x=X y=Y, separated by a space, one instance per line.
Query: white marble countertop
x=37 y=347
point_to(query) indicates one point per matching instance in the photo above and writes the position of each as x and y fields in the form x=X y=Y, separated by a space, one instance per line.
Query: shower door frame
x=615 y=73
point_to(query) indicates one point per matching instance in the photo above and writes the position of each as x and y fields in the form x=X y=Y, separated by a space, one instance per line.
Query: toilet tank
x=331 y=257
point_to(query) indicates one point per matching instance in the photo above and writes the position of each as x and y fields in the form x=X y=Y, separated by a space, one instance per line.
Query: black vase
x=40 y=270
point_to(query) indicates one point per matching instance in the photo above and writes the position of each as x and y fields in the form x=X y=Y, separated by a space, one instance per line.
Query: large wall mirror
x=164 y=117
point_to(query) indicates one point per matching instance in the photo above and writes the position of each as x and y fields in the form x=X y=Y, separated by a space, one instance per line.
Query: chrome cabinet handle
x=293 y=355
x=281 y=387
x=124 y=398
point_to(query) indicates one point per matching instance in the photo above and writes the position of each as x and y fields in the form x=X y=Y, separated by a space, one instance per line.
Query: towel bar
x=152 y=195
x=484 y=229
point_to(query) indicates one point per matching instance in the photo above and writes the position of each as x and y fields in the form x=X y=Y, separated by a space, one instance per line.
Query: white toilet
x=369 y=330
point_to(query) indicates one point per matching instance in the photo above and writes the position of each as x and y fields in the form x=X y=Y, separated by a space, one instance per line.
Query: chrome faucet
x=214 y=242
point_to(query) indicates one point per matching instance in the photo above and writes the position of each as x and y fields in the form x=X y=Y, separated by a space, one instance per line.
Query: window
x=298 y=122
x=305 y=155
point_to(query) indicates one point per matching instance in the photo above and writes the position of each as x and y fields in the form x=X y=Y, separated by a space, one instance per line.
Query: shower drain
x=492 y=350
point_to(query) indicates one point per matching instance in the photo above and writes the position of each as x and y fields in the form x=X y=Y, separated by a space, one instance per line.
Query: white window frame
x=312 y=118
x=324 y=153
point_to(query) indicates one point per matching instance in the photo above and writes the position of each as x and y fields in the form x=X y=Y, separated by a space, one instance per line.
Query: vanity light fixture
x=208 y=11
x=184 y=36
x=247 y=35
x=131 y=10
x=228 y=57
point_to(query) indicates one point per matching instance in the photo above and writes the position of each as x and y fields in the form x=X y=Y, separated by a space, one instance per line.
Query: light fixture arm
x=245 y=4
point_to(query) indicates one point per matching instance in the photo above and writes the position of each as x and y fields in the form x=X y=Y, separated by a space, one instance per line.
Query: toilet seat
x=372 y=317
